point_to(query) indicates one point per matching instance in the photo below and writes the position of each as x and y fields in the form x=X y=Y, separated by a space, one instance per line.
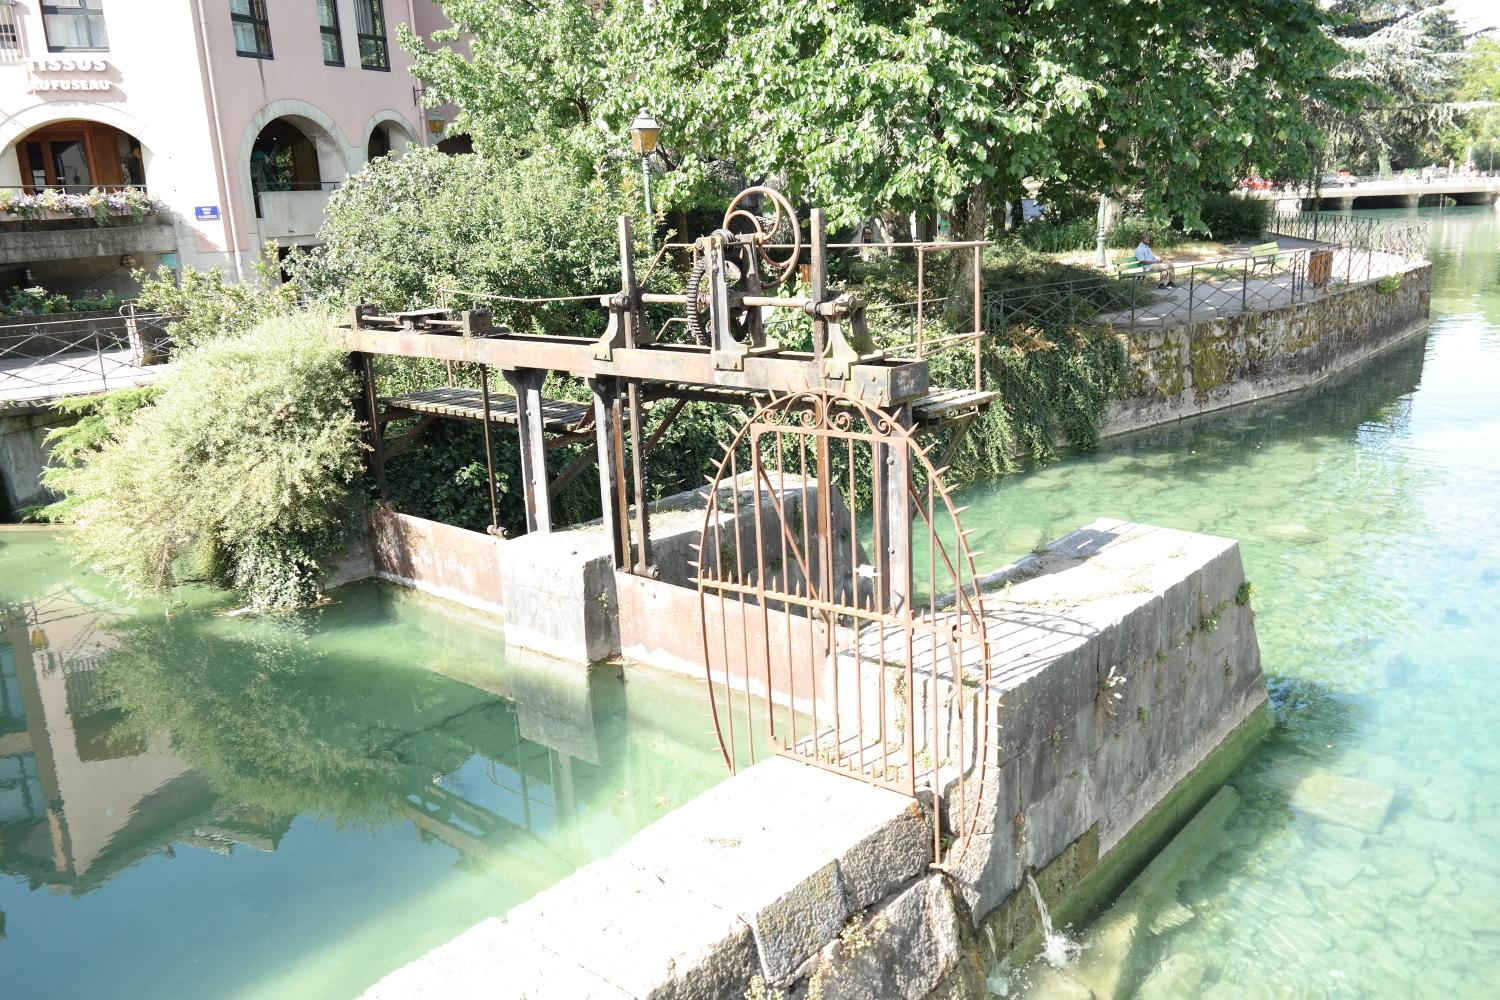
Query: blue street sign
x=206 y=211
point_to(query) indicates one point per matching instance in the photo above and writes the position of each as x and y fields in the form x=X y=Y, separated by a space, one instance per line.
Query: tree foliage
x=1400 y=57
x=865 y=106
x=1478 y=80
x=205 y=304
x=408 y=231
x=245 y=464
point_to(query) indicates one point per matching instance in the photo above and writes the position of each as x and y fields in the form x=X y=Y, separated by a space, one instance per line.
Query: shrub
x=246 y=462
x=37 y=301
x=1231 y=217
x=404 y=231
x=1051 y=237
x=207 y=304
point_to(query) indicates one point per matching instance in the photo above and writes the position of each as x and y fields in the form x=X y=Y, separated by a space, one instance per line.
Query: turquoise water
x=292 y=806
x=1363 y=859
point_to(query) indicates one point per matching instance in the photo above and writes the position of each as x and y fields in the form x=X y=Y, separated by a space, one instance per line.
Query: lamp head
x=643 y=132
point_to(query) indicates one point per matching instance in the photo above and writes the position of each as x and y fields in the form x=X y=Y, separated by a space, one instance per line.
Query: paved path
x=31 y=381
x=1204 y=292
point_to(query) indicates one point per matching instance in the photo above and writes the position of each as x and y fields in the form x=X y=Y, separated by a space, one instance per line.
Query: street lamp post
x=643 y=135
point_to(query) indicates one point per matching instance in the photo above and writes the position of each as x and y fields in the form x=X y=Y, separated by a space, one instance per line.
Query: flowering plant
x=99 y=203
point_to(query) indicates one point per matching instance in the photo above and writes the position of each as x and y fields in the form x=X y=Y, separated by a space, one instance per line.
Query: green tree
x=869 y=106
x=1401 y=57
x=204 y=304
x=245 y=465
x=1478 y=80
x=413 y=230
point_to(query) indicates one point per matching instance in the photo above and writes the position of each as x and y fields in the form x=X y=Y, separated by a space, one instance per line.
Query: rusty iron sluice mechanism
x=841 y=616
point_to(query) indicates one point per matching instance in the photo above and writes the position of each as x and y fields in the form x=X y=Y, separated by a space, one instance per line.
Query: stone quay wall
x=1182 y=371
x=817 y=885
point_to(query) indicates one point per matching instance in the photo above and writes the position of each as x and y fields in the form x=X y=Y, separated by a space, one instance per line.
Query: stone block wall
x=1130 y=684
x=1199 y=367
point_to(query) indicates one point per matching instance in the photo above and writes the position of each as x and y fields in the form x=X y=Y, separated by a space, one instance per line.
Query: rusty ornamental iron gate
x=843 y=623
x=842 y=619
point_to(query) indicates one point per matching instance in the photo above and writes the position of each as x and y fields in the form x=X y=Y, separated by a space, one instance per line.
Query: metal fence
x=1339 y=252
x=55 y=357
x=1405 y=240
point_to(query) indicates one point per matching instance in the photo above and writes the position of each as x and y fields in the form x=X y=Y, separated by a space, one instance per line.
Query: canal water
x=1363 y=858
x=292 y=806
x=287 y=806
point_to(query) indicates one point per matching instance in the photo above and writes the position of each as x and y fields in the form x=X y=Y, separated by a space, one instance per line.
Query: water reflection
x=309 y=799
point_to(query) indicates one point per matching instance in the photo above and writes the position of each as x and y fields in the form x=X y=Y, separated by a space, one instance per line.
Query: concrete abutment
x=819 y=885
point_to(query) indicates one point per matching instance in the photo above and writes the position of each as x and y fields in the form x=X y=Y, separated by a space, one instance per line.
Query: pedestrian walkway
x=27 y=382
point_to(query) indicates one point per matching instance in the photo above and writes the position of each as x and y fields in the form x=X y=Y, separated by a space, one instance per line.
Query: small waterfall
x=1057 y=949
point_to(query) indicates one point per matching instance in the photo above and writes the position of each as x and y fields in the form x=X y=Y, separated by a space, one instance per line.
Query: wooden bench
x=1269 y=256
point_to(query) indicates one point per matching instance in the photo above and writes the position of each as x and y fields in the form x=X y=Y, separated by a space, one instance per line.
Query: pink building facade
x=240 y=117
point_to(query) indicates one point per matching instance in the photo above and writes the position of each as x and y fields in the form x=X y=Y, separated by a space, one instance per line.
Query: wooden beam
x=883 y=383
x=405 y=441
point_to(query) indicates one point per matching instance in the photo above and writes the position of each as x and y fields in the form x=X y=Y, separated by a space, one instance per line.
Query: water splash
x=1057 y=949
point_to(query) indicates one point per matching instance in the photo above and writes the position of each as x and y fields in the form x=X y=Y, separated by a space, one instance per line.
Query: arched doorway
x=379 y=144
x=79 y=155
x=283 y=158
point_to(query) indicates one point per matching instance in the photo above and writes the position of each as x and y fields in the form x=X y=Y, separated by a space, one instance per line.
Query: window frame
x=263 y=23
x=374 y=11
x=10 y=34
x=83 y=9
x=334 y=31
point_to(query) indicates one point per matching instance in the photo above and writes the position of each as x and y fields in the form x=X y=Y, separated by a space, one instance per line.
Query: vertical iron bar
x=740 y=578
x=756 y=511
x=921 y=293
x=1245 y=287
x=829 y=589
x=638 y=478
x=978 y=327
x=489 y=453
x=372 y=405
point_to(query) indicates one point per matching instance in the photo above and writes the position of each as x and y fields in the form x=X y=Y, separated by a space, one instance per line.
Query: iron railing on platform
x=1406 y=240
x=54 y=356
x=1340 y=251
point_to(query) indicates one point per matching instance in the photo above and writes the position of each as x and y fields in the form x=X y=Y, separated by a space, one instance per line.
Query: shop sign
x=41 y=84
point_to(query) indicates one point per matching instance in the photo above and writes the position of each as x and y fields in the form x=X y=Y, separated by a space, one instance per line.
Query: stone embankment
x=1193 y=368
x=1140 y=690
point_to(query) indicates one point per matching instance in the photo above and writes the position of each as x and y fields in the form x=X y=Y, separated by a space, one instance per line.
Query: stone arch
x=336 y=158
x=398 y=129
x=16 y=127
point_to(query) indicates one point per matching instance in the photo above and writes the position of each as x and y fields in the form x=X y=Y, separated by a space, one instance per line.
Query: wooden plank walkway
x=942 y=403
x=558 y=416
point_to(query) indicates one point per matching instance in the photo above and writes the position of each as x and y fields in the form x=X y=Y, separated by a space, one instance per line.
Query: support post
x=489 y=449
x=527 y=384
x=611 y=484
x=819 y=281
x=894 y=471
x=638 y=476
x=371 y=415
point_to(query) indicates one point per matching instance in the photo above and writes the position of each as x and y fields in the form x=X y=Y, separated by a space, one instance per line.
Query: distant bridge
x=1386 y=192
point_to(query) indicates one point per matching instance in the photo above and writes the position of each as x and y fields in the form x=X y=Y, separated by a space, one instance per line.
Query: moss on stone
x=1208 y=360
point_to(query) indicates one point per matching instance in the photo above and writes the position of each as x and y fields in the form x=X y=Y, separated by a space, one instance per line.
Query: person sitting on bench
x=1150 y=262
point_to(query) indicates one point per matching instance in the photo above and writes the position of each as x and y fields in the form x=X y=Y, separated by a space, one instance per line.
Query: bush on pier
x=243 y=468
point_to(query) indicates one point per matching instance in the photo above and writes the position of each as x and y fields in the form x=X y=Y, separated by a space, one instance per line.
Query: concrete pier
x=819 y=885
